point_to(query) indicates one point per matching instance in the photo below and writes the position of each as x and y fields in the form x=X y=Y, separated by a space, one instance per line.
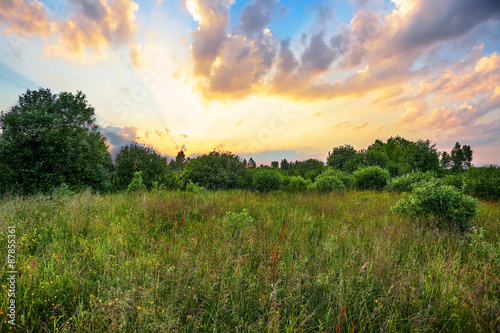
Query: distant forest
x=50 y=142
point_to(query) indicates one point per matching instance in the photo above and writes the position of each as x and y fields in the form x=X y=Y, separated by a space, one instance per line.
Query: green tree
x=445 y=160
x=251 y=163
x=461 y=157
x=341 y=157
x=217 y=170
x=275 y=164
x=49 y=139
x=284 y=164
x=135 y=158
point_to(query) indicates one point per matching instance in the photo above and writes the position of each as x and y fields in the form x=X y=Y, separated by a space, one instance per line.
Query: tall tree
x=48 y=139
x=284 y=164
x=275 y=164
x=341 y=157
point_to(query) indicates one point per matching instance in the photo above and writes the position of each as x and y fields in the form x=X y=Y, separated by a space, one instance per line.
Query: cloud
x=257 y=16
x=135 y=56
x=95 y=26
x=317 y=57
x=91 y=26
x=119 y=137
x=25 y=18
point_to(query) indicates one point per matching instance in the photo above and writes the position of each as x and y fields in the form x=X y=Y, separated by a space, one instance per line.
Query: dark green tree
x=49 y=139
x=445 y=160
x=461 y=157
x=275 y=164
x=284 y=164
x=136 y=157
x=251 y=163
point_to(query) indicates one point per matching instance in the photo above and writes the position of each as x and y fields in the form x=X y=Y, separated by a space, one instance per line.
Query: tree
x=461 y=157
x=342 y=157
x=284 y=164
x=445 y=160
x=217 y=170
x=135 y=158
x=180 y=159
x=251 y=163
x=275 y=164
x=49 y=139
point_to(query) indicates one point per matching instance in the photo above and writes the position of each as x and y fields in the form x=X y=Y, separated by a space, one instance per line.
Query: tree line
x=50 y=140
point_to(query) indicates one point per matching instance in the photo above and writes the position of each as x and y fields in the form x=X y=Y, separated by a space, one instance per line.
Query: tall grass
x=237 y=261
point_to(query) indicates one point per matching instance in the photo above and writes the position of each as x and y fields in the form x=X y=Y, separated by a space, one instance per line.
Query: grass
x=237 y=261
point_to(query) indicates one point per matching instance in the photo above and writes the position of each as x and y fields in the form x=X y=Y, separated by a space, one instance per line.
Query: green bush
x=346 y=177
x=190 y=187
x=328 y=182
x=371 y=178
x=235 y=222
x=406 y=182
x=266 y=180
x=482 y=183
x=136 y=184
x=296 y=184
x=443 y=204
x=457 y=181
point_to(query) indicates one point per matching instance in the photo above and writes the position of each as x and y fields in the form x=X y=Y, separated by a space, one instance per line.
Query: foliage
x=217 y=170
x=190 y=187
x=328 y=182
x=137 y=183
x=296 y=184
x=235 y=222
x=461 y=158
x=266 y=179
x=48 y=139
x=483 y=182
x=307 y=169
x=137 y=157
x=342 y=158
x=371 y=178
x=443 y=204
x=406 y=182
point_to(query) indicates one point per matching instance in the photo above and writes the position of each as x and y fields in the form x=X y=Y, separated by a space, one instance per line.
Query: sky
x=266 y=79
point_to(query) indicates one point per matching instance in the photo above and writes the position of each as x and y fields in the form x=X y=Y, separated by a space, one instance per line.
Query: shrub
x=406 y=182
x=346 y=177
x=371 y=178
x=483 y=183
x=444 y=204
x=266 y=180
x=296 y=184
x=235 y=222
x=190 y=187
x=136 y=184
x=457 y=181
x=328 y=182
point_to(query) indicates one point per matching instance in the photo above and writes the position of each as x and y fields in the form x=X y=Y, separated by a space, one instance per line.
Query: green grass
x=237 y=261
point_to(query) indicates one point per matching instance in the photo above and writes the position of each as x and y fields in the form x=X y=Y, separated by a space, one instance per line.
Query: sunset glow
x=265 y=78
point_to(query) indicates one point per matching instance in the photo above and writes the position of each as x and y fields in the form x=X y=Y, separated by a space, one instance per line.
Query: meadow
x=240 y=261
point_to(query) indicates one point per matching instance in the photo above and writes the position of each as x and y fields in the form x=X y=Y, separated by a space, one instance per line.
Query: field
x=239 y=261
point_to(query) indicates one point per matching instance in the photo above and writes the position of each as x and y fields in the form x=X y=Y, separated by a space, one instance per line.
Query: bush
x=345 y=177
x=371 y=178
x=406 y=182
x=328 y=182
x=137 y=184
x=483 y=183
x=190 y=187
x=296 y=184
x=266 y=180
x=235 y=222
x=444 y=204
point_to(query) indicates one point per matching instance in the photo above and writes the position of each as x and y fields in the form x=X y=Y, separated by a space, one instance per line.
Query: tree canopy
x=48 y=139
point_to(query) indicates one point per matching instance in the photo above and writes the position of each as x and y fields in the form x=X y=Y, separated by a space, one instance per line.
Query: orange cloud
x=25 y=18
